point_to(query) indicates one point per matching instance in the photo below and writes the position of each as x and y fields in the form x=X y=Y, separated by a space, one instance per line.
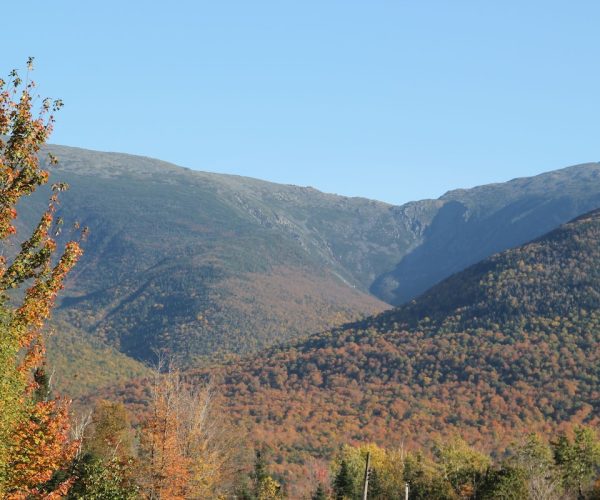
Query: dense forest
x=174 y=454
x=508 y=345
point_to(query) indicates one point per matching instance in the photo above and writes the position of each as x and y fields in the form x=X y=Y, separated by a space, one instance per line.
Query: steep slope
x=475 y=223
x=512 y=344
x=82 y=365
x=201 y=263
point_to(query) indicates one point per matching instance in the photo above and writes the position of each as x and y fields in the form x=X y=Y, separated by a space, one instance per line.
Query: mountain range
x=207 y=265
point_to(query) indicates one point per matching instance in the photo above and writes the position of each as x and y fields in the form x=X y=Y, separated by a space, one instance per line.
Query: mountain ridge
x=175 y=256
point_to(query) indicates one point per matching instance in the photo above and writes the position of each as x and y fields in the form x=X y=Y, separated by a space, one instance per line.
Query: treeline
x=566 y=467
x=183 y=451
x=178 y=449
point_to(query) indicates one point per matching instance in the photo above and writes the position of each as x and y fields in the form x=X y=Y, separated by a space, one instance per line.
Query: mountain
x=207 y=264
x=472 y=224
x=510 y=345
x=204 y=263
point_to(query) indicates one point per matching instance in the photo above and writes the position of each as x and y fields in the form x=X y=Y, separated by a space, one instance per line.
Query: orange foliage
x=41 y=446
x=33 y=434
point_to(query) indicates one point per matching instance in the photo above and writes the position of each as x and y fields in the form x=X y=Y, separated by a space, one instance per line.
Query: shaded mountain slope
x=82 y=365
x=512 y=344
x=475 y=223
x=555 y=275
x=199 y=263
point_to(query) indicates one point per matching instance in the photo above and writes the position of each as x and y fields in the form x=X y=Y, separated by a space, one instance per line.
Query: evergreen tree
x=578 y=460
x=260 y=472
x=343 y=485
x=504 y=483
x=375 y=486
x=265 y=487
x=319 y=493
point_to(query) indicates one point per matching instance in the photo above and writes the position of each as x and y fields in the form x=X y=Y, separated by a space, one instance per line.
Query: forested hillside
x=510 y=345
x=199 y=263
x=203 y=264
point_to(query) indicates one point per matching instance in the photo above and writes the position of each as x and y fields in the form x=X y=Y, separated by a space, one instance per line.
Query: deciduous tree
x=34 y=439
x=183 y=447
x=534 y=457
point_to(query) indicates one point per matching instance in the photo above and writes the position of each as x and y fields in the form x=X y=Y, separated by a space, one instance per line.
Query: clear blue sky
x=393 y=100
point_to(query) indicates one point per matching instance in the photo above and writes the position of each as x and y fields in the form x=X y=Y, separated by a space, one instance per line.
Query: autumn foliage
x=185 y=451
x=507 y=346
x=34 y=437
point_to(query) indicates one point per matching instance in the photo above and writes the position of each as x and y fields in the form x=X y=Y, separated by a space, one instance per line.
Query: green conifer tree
x=578 y=460
x=343 y=485
x=375 y=486
x=319 y=493
x=265 y=487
